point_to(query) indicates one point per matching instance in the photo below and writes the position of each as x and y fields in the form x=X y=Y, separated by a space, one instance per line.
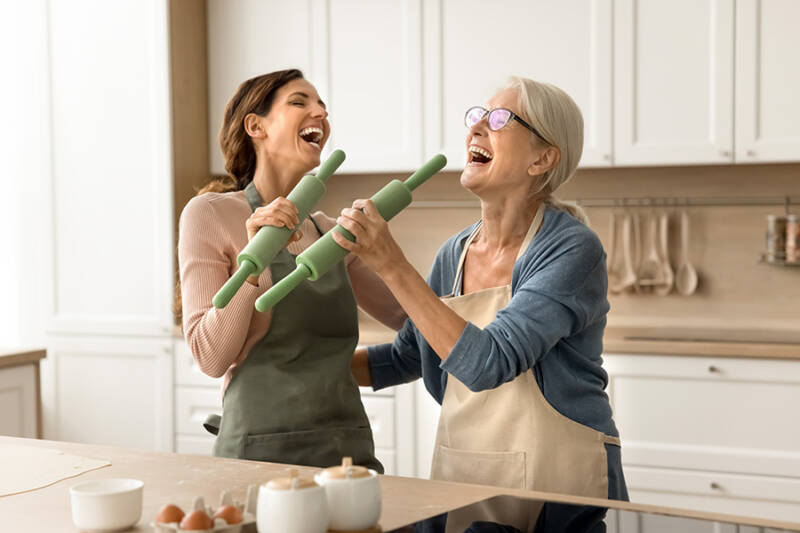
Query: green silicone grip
x=224 y=295
x=434 y=165
x=269 y=240
x=277 y=292
x=330 y=165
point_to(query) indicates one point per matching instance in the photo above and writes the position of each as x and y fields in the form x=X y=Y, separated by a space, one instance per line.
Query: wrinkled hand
x=280 y=212
x=374 y=243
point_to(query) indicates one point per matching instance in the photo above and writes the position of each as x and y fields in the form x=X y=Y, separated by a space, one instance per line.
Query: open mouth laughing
x=312 y=136
x=478 y=155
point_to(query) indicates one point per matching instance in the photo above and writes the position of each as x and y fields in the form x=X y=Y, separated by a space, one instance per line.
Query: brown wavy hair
x=255 y=95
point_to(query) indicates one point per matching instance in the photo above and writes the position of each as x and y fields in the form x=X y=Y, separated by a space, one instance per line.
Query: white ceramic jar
x=354 y=496
x=292 y=505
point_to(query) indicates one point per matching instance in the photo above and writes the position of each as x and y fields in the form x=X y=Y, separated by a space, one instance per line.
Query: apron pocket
x=315 y=447
x=499 y=469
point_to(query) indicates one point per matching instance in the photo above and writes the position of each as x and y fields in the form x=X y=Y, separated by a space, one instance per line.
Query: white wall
x=25 y=157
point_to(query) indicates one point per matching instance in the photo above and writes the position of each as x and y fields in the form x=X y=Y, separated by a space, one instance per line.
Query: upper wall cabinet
x=398 y=76
x=471 y=48
x=247 y=38
x=673 y=90
x=655 y=80
x=767 y=80
x=373 y=81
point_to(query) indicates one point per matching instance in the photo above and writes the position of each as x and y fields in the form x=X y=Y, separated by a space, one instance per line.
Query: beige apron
x=511 y=436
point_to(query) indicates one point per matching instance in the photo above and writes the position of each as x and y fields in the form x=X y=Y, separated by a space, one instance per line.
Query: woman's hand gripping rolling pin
x=279 y=213
x=374 y=243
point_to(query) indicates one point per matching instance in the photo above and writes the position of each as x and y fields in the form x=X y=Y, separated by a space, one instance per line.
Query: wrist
x=394 y=271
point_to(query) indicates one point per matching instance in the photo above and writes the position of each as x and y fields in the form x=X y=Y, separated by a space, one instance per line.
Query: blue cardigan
x=554 y=325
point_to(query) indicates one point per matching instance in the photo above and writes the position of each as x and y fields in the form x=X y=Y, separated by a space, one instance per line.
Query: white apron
x=511 y=436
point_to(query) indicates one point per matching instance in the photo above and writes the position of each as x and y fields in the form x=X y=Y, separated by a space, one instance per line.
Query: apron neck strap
x=253 y=198
x=532 y=231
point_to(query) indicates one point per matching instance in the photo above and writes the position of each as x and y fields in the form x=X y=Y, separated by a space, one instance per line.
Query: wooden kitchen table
x=179 y=478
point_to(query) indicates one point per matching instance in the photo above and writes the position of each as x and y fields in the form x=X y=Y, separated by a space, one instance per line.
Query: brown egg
x=230 y=514
x=169 y=513
x=197 y=520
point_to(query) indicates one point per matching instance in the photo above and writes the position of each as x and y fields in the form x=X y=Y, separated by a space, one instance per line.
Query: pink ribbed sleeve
x=212 y=232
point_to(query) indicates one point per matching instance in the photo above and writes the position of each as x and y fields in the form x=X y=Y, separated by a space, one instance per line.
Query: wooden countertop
x=179 y=478
x=646 y=340
x=20 y=356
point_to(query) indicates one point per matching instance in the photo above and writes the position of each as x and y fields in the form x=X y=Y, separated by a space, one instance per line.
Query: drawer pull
x=713 y=369
x=715 y=486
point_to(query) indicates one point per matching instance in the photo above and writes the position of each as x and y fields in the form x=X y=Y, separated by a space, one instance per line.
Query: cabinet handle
x=751 y=153
x=713 y=369
x=715 y=486
x=607 y=157
x=724 y=153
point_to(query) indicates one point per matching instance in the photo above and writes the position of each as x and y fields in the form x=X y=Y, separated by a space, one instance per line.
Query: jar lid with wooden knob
x=347 y=470
x=293 y=482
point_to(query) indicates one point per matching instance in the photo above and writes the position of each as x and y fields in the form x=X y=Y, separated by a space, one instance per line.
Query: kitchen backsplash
x=735 y=290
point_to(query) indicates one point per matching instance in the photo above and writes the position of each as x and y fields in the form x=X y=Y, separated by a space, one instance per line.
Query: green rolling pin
x=269 y=240
x=323 y=254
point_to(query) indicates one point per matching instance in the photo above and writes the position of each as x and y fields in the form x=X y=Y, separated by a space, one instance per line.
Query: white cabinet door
x=247 y=38
x=18 y=389
x=114 y=391
x=767 y=81
x=109 y=202
x=720 y=414
x=373 y=78
x=472 y=47
x=673 y=88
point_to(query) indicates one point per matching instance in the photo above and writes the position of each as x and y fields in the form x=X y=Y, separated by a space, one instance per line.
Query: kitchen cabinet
x=21 y=415
x=110 y=390
x=395 y=104
x=716 y=434
x=470 y=51
x=647 y=97
x=767 y=81
x=390 y=413
x=372 y=89
x=107 y=202
x=673 y=82
x=676 y=100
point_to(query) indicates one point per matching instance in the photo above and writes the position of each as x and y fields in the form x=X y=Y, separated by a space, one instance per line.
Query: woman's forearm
x=440 y=325
x=359 y=366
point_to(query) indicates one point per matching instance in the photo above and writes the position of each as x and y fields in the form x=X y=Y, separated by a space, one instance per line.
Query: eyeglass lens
x=496 y=119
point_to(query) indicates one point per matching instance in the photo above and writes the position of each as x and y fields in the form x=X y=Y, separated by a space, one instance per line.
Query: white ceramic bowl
x=353 y=503
x=105 y=505
x=292 y=511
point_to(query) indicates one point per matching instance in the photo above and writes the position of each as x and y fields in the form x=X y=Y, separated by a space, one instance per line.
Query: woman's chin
x=472 y=177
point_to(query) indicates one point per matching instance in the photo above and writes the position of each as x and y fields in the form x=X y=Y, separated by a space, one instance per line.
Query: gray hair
x=557 y=117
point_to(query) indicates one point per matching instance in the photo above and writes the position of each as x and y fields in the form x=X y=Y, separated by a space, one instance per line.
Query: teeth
x=481 y=151
x=315 y=133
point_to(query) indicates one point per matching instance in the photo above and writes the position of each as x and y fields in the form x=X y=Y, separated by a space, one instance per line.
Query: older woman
x=507 y=332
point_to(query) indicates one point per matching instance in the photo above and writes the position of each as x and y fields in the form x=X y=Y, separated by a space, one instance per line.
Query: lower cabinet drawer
x=380 y=411
x=387 y=459
x=194 y=445
x=737 y=494
x=192 y=405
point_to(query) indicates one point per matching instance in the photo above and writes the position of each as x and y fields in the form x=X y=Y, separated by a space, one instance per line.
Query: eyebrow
x=304 y=95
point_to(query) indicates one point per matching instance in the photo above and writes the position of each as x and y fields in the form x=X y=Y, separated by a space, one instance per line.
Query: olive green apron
x=294 y=398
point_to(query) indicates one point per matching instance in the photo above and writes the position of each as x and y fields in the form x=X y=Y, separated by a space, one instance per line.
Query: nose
x=319 y=111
